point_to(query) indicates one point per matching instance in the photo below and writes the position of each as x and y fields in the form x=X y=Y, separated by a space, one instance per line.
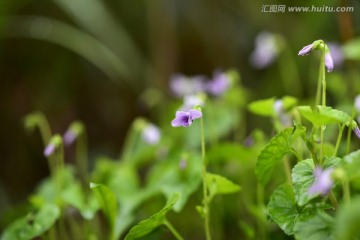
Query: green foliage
x=303 y=178
x=108 y=202
x=265 y=107
x=283 y=209
x=347 y=225
x=273 y=153
x=315 y=227
x=34 y=224
x=148 y=225
x=220 y=185
x=326 y=115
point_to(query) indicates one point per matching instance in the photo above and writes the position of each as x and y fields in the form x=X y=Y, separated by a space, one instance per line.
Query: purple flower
x=219 y=84
x=69 y=137
x=185 y=118
x=181 y=85
x=329 y=63
x=151 y=134
x=266 y=50
x=357 y=131
x=306 y=50
x=49 y=150
x=323 y=182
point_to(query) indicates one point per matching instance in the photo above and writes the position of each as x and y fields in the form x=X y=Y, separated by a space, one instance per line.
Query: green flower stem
x=348 y=139
x=173 y=230
x=323 y=97
x=205 y=192
x=341 y=129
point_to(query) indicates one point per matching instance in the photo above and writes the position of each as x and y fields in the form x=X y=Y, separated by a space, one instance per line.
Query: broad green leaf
x=314 y=227
x=303 y=178
x=220 y=185
x=326 y=115
x=272 y=154
x=33 y=225
x=283 y=209
x=289 y=102
x=148 y=225
x=107 y=201
x=347 y=226
x=263 y=107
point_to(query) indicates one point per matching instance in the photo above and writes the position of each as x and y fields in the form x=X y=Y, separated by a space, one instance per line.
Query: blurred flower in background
x=266 y=50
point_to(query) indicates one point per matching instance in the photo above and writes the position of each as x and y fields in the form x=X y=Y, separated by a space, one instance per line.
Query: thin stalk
x=297 y=155
x=348 y=139
x=173 y=230
x=205 y=193
x=341 y=129
x=323 y=97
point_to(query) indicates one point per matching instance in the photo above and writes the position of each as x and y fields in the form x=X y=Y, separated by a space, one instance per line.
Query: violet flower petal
x=329 y=63
x=306 y=50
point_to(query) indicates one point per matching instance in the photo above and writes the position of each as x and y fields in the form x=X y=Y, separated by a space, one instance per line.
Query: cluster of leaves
x=296 y=211
x=121 y=192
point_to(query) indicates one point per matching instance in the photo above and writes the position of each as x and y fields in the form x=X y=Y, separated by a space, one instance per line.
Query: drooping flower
x=151 y=134
x=306 y=50
x=185 y=118
x=49 y=149
x=266 y=50
x=329 y=63
x=219 y=84
x=182 y=86
x=323 y=182
x=319 y=44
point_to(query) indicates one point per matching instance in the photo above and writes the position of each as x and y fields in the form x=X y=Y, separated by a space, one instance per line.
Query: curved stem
x=205 y=193
x=341 y=129
x=173 y=230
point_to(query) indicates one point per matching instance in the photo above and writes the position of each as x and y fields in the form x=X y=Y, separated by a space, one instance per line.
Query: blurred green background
x=106 y=62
